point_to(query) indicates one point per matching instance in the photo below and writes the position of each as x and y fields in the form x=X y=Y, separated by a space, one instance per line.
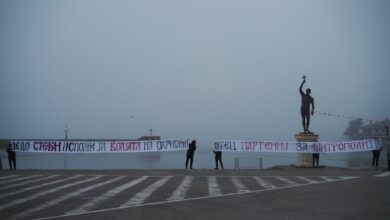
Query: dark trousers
x=216 y=162
x=375 y=157
x=316 y=159
x=12 y=161
x=190 y=157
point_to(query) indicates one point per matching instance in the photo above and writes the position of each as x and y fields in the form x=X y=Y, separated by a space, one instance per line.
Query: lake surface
x=203 y=159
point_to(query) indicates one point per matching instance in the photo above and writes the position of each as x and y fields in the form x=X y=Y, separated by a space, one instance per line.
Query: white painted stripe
x=7 y=177
x=306 y=179
x=264 y=183
x=385 y=174
x=37 y=186
x=111 y=193
x=60 y=199
x=289 y=182
x=214 y=189
x=18 y=179
x=239 y=185
x=144 y=194
x=28 y=182
x=184 y=200
x=326 y=178
x=348 y=177
x=182 y=189
x=43 y=193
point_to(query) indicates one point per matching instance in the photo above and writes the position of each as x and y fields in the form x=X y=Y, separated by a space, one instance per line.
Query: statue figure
x=305 y=107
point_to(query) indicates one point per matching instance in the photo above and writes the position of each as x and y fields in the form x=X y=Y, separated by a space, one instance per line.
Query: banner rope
x=345 y=117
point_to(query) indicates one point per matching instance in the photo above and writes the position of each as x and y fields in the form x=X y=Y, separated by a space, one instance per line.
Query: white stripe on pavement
x=113 y=192
x=7 y=177
x=37 y=186
x=306 y=179
x=289 y=182
x=348 y=177
x=385 y=174
x=56 y=201
x=326 y=178
x=182 y=189
x=19 y=178
x=28 y=182
x=144 y=194
x=264 y=183
x=214 y=189
x=239 y=185
x=43 y=193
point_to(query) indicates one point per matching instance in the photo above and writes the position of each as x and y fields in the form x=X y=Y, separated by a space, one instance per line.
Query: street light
x=66 y=132
x=388 y=146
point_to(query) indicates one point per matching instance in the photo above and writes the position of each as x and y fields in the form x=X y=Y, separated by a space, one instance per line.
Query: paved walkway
x=74 y=194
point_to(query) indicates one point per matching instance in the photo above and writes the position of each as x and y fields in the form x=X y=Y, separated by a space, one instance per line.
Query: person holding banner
x=316 y=159
x=218 y=157
x=375 y=157
x=11 y=157
x=190 y=153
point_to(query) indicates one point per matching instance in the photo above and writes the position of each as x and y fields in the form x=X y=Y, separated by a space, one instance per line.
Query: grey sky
x=190 y=69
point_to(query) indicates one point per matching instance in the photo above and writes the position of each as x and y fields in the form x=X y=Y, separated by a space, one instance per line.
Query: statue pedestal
x=306 y=159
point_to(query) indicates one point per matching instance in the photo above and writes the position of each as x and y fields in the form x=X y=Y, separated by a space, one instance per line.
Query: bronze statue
x=305 y=107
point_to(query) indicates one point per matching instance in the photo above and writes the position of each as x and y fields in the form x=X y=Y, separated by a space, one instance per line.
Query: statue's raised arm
x=300 y=88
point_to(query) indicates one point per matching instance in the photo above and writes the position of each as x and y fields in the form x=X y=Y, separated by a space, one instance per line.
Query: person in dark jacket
x=11 y=157
x=218 y=157
x=375 y=157
x=316 y=159
x=190 y=153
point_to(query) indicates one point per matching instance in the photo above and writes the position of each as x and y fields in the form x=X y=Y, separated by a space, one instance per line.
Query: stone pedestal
x=306 y=159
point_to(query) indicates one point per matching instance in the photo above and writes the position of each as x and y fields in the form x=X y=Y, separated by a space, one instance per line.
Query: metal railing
x=248 y=163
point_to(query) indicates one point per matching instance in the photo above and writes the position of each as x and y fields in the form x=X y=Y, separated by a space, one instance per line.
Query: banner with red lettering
x=48 y=146
x=298 y=147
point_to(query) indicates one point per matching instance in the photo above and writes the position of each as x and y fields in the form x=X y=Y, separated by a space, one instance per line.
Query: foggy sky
x=190 y=69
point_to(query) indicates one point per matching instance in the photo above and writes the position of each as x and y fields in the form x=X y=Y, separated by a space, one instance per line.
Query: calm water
x=176 y=160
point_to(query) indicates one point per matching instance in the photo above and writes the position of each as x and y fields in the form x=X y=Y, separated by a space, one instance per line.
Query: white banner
x=51 y=146
x=298 y=147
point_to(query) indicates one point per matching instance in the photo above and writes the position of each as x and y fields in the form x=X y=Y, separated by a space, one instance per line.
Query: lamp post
x=66 y=132
x=388 y=146
x=66 y=154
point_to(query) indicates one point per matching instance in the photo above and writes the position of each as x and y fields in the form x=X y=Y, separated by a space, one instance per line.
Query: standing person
x=307 y=100
x=375 y=157
x=11 y=157
x=190 y=153
x=218 y=157
x=316 y=158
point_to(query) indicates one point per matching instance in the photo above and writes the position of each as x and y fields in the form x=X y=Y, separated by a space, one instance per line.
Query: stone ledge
x=305 y=137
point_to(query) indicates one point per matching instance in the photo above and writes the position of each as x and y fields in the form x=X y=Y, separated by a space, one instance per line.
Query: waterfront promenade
x=278 y=193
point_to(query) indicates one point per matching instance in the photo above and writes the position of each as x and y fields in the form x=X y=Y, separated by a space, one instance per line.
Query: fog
x=203 y=70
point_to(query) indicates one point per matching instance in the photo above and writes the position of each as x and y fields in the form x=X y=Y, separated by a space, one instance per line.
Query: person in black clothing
x=11 y=157
x=218 y=157
x=375 y=157
x=316 y=158
x=190 y=153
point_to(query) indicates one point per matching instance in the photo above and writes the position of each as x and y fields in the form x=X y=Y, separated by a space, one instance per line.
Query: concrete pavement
x=280 y=193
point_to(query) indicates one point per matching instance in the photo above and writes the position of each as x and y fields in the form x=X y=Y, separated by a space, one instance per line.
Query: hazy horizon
x=203 y=70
